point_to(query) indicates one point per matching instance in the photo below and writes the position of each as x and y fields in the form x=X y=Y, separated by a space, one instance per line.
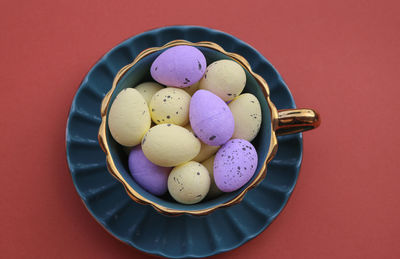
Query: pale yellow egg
x=192 y=89
x=206 y=151
x=225 y=78
x=170 y=145
x=214 y=191
x=246 y=111
x=189 y=183
x=170 y=105
x=148 y=89
x=129 y=117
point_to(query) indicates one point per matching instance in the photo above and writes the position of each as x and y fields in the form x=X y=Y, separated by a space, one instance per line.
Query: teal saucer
x=141 y=226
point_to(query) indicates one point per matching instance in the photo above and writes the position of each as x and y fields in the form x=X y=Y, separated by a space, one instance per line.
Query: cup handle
x=292 y=121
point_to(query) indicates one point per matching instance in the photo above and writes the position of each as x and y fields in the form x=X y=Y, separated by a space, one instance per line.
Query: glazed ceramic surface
x=141 y=226
x=265 y=143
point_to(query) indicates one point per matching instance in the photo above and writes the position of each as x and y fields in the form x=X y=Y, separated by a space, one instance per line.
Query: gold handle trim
x=292 y=121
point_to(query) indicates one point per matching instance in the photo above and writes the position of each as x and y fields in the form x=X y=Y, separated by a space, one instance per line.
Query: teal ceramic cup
x=274 y=123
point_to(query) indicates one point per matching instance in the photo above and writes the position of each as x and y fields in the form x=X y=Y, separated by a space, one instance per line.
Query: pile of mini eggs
x=200 y=144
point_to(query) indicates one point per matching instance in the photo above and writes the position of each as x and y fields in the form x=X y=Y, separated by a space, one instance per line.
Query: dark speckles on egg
x=212 y=138
x=152 y=110
x=168 y=117
x=198 y=173
x=164 y=100
x=169 y=125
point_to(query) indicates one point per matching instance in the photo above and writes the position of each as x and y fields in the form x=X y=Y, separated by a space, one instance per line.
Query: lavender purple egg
x=179 y=66
x=210 y=118
x=151 y=177
x=234 y=165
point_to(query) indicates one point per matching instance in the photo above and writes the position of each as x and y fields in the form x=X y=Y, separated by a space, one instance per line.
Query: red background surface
x=339 y=57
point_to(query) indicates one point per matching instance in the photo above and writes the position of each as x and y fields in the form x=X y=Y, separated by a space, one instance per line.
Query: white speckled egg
x=205 y=151
x=179 y=66
x=170 y=145
x=192 y=89
x=148 y=89
x=214 y=191
x=246 y=111
x=129 y=117
x=225 y=78
x=170 y=105
x=189 y=183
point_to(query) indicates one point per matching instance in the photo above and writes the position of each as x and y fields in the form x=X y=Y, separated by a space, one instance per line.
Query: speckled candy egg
x=129 y=117
x=179 y=66
x=246 y=111
x=170 y=145
x=189 y=183
x=205 y=151
x=234 y=165
x=225 y=78
x=170 y=105
x=151 y=177
x=148 y=89
x=214 y=191
x=210 y=118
